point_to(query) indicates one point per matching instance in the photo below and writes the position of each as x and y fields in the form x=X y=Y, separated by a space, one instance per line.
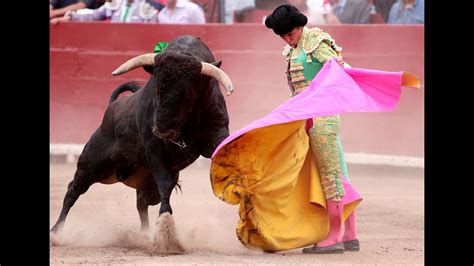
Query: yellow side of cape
x=271 y=173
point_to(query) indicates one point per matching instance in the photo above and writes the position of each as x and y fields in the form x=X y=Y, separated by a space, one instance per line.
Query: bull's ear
x=148 y=69
x=217 y=64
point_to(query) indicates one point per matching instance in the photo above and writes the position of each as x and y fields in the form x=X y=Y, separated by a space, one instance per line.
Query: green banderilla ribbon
x=160 y=47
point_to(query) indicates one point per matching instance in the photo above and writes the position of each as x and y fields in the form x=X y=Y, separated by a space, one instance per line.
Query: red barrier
x=83 y=55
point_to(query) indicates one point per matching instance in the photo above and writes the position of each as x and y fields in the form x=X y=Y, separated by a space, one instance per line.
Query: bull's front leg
x=165 y=181
x=165 y=237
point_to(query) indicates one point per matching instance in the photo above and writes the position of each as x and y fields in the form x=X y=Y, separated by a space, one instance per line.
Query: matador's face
x=293 y=36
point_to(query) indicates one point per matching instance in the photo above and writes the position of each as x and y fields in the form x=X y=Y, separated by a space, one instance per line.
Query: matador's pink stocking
x=335 y=223
x=350 y=228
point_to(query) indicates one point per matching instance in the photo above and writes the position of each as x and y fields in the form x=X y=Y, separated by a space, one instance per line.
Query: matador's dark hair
x=284 y=19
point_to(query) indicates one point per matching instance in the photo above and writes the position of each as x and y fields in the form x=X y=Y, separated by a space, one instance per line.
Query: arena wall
x=83 y=55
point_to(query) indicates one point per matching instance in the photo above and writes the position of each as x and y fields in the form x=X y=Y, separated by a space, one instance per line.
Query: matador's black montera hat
x=284 y=19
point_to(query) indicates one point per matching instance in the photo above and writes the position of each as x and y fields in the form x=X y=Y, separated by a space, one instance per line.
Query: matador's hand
x=340 y=61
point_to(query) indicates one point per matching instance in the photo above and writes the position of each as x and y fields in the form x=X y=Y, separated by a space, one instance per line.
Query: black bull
x=147 y=137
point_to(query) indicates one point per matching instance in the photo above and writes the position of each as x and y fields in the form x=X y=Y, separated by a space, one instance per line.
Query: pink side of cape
x=334 y=90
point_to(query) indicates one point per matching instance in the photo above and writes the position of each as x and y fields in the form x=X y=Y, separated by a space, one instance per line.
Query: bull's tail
x=129 y=86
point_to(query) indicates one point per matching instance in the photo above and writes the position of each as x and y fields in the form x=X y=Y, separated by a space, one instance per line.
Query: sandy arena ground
x=103 y=226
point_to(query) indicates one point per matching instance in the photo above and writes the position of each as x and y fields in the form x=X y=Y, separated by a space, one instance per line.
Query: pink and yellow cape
x=267 y=166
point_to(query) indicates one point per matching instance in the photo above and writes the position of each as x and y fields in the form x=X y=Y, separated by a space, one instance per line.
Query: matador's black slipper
x=336 y=248
x=352 y=245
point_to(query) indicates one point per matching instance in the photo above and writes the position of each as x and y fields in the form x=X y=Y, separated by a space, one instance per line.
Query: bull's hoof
x=57 y=228
x=55 y=240
x=165 y=240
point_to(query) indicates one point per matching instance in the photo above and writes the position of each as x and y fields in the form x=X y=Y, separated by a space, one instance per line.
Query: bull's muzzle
x=170 y=134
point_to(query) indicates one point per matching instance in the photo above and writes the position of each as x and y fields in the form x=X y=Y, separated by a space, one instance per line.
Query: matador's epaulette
x=286 y=51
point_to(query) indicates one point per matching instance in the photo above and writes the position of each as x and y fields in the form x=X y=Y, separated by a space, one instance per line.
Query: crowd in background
x=336 y=11
x=236 y=11
x=136 y=11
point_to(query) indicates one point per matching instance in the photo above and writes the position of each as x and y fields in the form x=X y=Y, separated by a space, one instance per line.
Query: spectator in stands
x=100 y=3
x=156 y=4
x=58 y=8
x=241 y=10
x=349 y=11
x=237 y=10
x=228 y=12
x=300 y=4
x=116 y=11
x=318 y=11
x=382 y=7
x=407 y=12
x=181 y=12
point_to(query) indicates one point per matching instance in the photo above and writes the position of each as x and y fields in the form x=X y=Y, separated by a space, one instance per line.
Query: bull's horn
x=138 y=61
x=217 y=73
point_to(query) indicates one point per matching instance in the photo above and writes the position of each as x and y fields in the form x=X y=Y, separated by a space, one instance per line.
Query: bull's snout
x=170 y=134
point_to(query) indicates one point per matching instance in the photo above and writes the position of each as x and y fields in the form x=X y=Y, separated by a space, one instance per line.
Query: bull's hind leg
x=146 y=198
x=93 y=165
x=78 y=186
